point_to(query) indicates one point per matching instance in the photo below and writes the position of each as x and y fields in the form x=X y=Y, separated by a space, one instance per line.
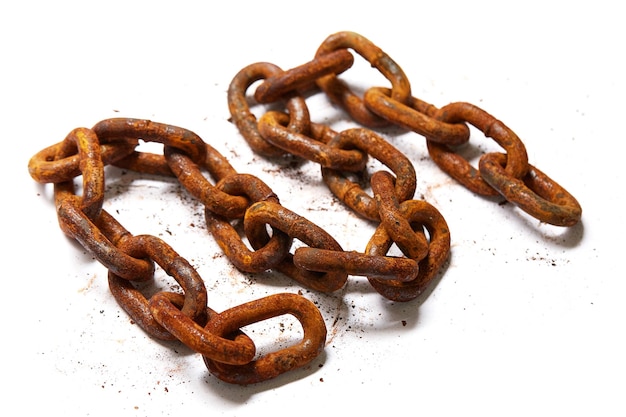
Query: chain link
x=416 y=227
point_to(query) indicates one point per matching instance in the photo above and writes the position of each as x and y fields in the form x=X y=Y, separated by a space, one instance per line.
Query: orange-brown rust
x=304 y=76
x=273 y=129
x=416 y=227
x=457 y=167
x=341 y=94
x=270 y=213
x=353 y=194
x=275 y=363
x=422 y=214
x=246 y=121
x=356 y=263
x=535 y=193
x=417 y=116
x=413 y=244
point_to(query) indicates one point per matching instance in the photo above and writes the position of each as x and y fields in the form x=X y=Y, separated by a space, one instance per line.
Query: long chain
x=416 y=227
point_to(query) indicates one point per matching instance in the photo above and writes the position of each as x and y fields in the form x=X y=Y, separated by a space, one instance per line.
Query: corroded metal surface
x=256 y=232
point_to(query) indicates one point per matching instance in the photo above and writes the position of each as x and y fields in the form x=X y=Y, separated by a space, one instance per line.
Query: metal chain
x=416 y=227
x=508 y=174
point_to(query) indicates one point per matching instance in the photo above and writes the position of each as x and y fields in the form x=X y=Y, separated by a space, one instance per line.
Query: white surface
x=526 y=320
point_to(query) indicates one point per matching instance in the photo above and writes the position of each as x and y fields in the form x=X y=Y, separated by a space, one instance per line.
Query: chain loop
x=419 y=214
x=413 y=245
x=155 y=249
x=350 y=192
x=342 y=95
x=196 y=337
x=273 y=130
x=271 y=364
x=44 y=167
x=295 y=226
x=417 y=116
x=149 y=131
x=91 y=167
x=302 y=77
x=246 y=121
x=535 y=193
x=78 y=217
x=267 y=254
x=458 y=167
x=190 y=176
x=355 y=263
x=134 y=302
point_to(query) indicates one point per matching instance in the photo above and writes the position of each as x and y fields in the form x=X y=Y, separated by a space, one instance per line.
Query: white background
x=526 y=319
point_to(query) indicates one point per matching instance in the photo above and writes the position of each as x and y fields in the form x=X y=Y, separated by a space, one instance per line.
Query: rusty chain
x=416 y=227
